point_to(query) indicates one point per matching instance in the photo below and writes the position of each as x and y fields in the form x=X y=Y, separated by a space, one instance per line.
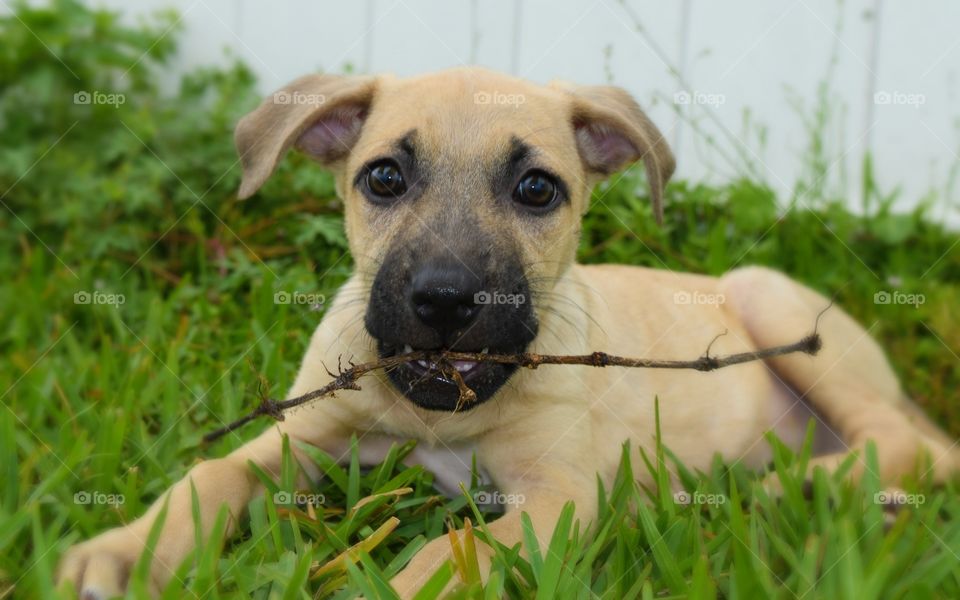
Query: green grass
x=114 y=400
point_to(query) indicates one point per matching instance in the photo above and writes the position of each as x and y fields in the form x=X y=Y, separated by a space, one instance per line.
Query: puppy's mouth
x=427 y=368
x=429 y=385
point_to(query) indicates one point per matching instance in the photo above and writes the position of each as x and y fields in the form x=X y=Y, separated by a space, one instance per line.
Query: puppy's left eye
x=536 y=190
x=385 y=180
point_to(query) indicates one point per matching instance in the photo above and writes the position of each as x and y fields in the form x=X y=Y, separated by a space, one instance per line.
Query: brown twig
x=347 y=378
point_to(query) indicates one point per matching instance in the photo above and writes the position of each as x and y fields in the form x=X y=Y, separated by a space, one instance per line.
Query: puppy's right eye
x=385 y=180
x=537 y=190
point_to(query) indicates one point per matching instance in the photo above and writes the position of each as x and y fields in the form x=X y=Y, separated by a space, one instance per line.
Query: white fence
x=744 y=73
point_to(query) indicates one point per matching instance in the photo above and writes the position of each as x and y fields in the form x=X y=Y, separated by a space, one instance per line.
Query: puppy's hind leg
x=849 y=383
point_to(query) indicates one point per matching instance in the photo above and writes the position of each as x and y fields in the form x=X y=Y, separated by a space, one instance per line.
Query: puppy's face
x=463 y=192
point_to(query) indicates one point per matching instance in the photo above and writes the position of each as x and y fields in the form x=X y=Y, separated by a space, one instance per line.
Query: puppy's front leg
x=100 y=567
x=540 y=474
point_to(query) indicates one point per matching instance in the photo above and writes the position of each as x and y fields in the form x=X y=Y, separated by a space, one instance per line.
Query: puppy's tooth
x=407 y=348
x=485 y=351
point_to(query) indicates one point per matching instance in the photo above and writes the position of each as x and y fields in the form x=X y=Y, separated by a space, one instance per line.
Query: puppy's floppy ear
x=612 y=132
x=321 y=114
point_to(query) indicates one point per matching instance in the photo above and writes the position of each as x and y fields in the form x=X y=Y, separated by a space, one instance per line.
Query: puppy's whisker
x=553 y=333
x=553 y=279
x=339 y=306
x=552 y=298
x=559 y=300
x=361 y=331
x=338 y=339
x=550 y=328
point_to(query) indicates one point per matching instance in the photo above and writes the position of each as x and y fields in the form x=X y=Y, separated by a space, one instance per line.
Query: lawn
x=138 y=302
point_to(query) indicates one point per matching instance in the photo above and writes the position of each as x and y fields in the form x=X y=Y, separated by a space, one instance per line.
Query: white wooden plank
x=747 y=53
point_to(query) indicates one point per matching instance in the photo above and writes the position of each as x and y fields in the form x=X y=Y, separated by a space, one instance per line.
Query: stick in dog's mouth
x=428 y=366
x=446 y=362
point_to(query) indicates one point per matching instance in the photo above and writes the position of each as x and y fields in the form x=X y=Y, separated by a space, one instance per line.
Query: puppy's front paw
x=99 y=568
x=423 y=565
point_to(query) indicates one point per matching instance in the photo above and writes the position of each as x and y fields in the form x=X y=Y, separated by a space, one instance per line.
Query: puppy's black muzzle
x=474 y=300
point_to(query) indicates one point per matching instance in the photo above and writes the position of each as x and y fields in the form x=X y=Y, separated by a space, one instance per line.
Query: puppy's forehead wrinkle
x=519 y=150
x=511 y=158
x=448 y=116
x=407 y=144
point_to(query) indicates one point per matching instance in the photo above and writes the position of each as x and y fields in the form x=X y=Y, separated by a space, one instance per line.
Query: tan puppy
x=464 y=191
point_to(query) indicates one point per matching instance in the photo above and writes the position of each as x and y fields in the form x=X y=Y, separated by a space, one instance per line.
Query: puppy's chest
x=452 y=464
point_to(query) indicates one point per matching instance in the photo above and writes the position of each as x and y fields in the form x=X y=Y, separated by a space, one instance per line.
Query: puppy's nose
x=444 y=297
